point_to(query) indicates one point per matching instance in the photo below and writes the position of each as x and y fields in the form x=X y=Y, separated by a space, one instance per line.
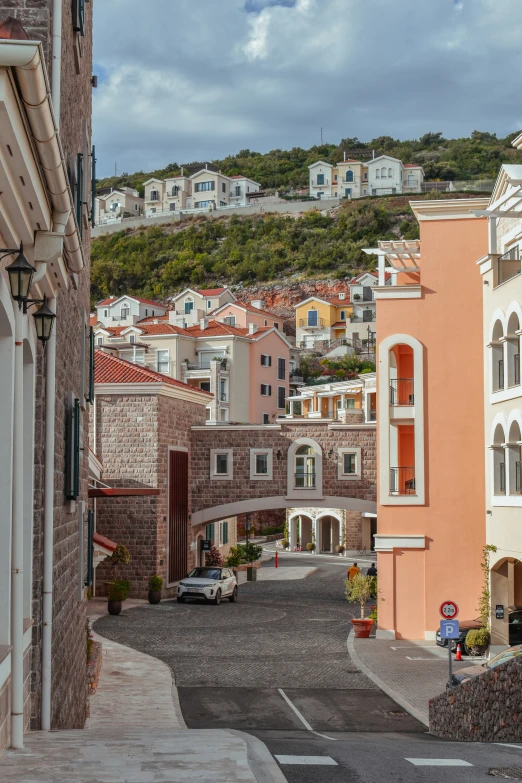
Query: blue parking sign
x=449 y=629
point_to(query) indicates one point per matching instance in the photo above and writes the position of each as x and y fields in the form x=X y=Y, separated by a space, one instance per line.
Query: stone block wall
x=35 y=16
x=487 y=708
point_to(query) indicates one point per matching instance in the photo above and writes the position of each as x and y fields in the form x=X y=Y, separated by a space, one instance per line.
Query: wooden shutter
x=72 y=472
x=178 y=515
x=269 y=391
x=78 y=16
x=225 y=532
x=269 y=361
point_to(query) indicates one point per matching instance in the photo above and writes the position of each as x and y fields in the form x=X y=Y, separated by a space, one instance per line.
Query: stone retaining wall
x=487 y=708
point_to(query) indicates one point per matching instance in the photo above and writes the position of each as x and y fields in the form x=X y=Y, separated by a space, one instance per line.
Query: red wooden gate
x=178 y=515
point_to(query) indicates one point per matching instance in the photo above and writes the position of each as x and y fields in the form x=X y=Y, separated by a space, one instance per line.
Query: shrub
x=477 y=637
x=118 y=591
x=310 y=547
x=360 y=589
x=234 y=558
x=120 y=556
x=155 y=584
x=340 y=548
x=214 y=557
x=284 y=543
x=251 y=553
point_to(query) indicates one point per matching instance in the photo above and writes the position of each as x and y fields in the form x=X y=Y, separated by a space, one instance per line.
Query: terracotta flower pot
x=362 y=628
x=154 y=596
x=114 y=607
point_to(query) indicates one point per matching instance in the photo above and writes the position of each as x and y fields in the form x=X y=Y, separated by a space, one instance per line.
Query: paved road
x=276 y=665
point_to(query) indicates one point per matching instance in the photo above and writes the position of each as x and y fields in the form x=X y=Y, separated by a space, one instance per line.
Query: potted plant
x=310 y=546
x=340 y=549
x=120 y=556
x=284 y=543
x=477 y=641
x=118 y=592
x=356 y=297
x=234 y=560
x=155 y=585
x=358 y=591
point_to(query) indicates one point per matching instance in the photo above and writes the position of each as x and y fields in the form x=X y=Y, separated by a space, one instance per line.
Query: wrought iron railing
x=402 y=481
x=508 y=265
x=402 y=391
x=305 y=480
x=306 y=323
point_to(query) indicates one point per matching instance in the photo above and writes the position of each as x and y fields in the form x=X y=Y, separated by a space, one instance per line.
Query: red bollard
x=277 y=560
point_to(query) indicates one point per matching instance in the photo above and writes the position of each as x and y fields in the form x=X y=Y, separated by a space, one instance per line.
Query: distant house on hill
x=113 y=203
x=354 y=178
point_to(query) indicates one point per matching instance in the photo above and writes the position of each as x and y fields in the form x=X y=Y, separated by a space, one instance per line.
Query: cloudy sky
x=184 y=80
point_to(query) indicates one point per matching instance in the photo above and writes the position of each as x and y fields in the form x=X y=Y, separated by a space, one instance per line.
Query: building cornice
x=153 y=389
x=448 y=209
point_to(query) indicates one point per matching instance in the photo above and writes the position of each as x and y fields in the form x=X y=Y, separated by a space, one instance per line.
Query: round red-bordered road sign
x=449 y=610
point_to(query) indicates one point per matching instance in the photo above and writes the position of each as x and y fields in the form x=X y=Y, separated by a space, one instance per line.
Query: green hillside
x=476 y=157
x=157 y=261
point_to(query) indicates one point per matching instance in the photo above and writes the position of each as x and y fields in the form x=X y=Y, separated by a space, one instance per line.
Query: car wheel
x=217 y=599
x=180 y=599
x=233 y=597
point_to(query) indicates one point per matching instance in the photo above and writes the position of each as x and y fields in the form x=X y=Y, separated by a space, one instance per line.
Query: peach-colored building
x=431 y=498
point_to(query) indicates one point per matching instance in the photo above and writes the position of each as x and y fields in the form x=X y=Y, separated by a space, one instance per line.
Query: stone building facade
x=65 y=282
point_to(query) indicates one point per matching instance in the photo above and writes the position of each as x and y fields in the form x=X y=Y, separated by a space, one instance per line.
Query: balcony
x=297 y=379
x=305 y=480
x=402 y=392
x=508 y=266
x=305 y=324
x=402 y=481
x=356 y=319
x=317 y=184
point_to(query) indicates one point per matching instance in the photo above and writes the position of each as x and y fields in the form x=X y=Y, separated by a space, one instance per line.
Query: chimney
x=181 y=171
x=252 y=328
x=344 y=153
x=259 y=304
x=373 y=154
x=203 y=323
x=206 y=166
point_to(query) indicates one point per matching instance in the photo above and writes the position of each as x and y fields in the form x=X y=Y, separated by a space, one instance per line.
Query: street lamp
x=21 y=274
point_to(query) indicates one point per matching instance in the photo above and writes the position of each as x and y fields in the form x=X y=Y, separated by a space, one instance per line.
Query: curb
x=393 y=694
x=261 y=762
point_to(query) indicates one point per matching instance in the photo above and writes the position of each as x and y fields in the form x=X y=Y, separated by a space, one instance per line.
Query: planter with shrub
x=155 y=585
x=359 y=590
x=118 y=592
x=285 y=543
x=477 y=641
x=310 y=547
x=340 y=549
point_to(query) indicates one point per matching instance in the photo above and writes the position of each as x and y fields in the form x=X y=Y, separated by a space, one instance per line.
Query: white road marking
x=413 y=658
x=439 y=762
x=416 y=647
x=318 y=760
x=509 y=745
x=302 y=718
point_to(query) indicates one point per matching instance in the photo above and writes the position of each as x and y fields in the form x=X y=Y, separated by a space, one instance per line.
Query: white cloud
x=198 y=80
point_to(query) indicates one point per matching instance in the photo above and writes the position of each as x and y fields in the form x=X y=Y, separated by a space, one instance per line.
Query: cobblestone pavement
x=278 y=635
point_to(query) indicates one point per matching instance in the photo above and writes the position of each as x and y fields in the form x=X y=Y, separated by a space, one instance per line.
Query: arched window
x=349 y=176
x=305 y=468
x=124 y=312
x=499 y=461
x=513 y=350
x=497 y=357
x=514 y=459
x=189 y=304
x=390 y=173
x=383 y=171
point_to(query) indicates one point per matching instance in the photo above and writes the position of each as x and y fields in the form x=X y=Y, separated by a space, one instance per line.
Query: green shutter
x=79 y=192
x=93 y=187
x=90 y=398
x=225 y=532
x=78 y=16
x=90 y=547
x=72 y=474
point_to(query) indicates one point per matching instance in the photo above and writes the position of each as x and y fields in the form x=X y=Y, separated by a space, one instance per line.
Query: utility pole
x=321 y=137
x=116 y=169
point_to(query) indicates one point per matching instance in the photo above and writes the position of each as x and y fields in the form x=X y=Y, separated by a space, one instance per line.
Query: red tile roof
x=411 y=166
x=338 y=324
x=163 y=328
x=130 y=296
x=340 y=302
x=150 y=318
x=93 y=320
x=106 y=543
x=252 y=309
x=211 y=291
x=111 y=369
x=106 y=301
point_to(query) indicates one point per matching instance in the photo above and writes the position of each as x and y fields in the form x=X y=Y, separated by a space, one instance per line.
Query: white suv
x=211 y=583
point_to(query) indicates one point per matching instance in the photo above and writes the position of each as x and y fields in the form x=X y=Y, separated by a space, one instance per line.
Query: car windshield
x=502 y=657
x=206 y=573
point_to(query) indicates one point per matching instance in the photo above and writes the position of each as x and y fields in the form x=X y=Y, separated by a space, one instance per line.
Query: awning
x=104 y=544
x=120 y=492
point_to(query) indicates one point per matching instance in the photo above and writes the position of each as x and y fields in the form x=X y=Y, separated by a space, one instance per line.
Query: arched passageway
x=506 y=598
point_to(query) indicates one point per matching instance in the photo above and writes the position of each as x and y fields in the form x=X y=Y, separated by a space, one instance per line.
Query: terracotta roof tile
x=11 y=29
x=338 y=324
x=150 y=318
x=106 y=543
x=106 y=302
x=111 y=369
x=163 y=328
x=211 y=291
x=253 y=309
x=93 y=320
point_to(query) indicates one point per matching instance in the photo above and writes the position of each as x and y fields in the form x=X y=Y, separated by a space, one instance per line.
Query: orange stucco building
x=431 y=500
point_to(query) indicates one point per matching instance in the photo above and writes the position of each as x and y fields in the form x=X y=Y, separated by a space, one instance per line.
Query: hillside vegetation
x=477 y=157
x=157 y=261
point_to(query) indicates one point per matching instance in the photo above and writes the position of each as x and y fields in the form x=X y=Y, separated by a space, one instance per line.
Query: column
x=316 y=523
x=291 y=533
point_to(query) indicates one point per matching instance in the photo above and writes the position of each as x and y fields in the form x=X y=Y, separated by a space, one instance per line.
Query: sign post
x=449 y=629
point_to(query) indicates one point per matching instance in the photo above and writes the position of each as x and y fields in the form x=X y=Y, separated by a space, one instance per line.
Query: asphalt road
x=275 y=665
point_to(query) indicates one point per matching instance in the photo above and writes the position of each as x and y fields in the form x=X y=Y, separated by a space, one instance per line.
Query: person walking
x=352 y=571
x=372 y=571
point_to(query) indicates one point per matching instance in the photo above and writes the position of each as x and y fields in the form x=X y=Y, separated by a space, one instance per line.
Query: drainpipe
x=17 y=554
x=48 y=527
x=56 y=68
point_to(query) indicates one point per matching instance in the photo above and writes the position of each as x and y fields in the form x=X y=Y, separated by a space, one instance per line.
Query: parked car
x=515 y=630
x=473 y=671
x=210 y=583
x=464 y=627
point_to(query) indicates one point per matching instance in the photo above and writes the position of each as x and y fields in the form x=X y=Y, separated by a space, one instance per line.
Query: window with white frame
x=266 y=390
x=342 y=315
x=229 y=320
x=105 y=313
x=162 y=361
x=223 y=533
x=514 y=464
x=209 y=304
x=266 y=418
x=189 y=304
x=124 y=312
x=266 y=361
x=305 y=473
x=100 y=340
x=499 y=461
x=221 y=464
x=132 y=338
x=348 y=463
x=261 y=465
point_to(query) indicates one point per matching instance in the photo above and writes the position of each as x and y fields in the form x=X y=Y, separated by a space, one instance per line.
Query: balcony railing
x=296 y=378
x=402 y=481
x=120 y=317
x=518 y=476
x=304 y=323
x=358 y=319
x=305 y=480
x=500 y=374
x=508 y=265
x=316 y=184
x=516 y=360
x=402 y=391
